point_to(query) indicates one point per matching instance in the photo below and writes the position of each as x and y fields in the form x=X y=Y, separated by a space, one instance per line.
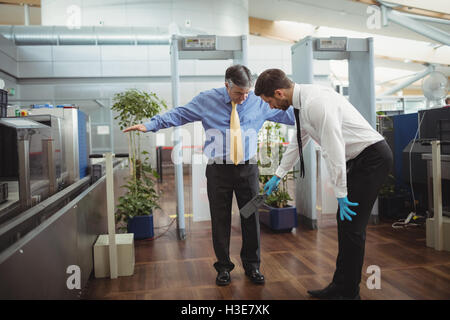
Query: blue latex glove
x=344 y=210
x=271 y=185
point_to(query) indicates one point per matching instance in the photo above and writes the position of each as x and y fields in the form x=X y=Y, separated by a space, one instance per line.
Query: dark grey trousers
x=222 y=181
x=365 y=175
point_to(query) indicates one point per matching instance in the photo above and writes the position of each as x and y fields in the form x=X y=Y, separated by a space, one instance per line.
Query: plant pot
x=278 y=219
x=141 y=227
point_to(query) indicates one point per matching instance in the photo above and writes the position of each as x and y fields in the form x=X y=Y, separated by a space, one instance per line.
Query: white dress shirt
x=334 y=123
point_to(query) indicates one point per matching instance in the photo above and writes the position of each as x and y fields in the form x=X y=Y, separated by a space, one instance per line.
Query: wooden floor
x=292 y=263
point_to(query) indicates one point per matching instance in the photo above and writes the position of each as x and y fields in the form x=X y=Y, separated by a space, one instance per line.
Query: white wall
x=8 y=57
x=266 y=53
x=83 y=74
x=213 y=16
x=8 y=65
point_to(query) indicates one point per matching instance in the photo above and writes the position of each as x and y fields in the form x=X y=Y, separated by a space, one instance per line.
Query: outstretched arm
x=138 y=127
x=176 y=117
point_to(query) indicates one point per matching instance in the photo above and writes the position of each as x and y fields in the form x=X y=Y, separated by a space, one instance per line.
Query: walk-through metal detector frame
x=202 y=47
x=361 y=90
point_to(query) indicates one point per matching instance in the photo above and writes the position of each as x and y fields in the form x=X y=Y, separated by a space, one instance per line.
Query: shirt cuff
x=340 y=192
x=149 y=126
x=280 y=172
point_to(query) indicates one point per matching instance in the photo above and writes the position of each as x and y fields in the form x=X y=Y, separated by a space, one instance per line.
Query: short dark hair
x=447 y=100
x=239 y=75
x=271 y=80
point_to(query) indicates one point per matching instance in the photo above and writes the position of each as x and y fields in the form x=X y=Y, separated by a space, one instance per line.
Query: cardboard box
x=125 y=255
x=445 y=232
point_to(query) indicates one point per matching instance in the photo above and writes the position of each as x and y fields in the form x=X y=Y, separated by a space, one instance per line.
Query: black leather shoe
x=331 y=292
x=255 y=276
x=357 y=297
x=223 y=278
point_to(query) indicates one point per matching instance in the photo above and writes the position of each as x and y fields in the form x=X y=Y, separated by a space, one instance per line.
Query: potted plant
x=276 y=213
x=135 y=208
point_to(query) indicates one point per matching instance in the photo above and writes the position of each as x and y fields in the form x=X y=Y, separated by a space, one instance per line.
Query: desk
x=440 y=240
x=445 y=174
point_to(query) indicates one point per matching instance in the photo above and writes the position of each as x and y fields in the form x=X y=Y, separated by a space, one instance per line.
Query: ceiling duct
x=60 y=35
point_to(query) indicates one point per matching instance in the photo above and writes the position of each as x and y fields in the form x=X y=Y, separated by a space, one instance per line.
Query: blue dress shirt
x=213 y=109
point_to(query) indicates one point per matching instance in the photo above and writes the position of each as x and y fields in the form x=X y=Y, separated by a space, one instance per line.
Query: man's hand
x=271 y=185
x=344 y=210
x=139 y=127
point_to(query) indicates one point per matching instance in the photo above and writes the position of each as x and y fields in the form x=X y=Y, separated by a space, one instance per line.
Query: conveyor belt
x=16 y=225
x=15 y=228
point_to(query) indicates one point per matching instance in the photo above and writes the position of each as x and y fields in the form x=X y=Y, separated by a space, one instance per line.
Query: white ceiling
x=343 y=14
x=432 y=5
x=352 y=16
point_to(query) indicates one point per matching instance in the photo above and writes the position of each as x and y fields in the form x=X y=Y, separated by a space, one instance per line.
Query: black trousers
x=365 y=175
x=222 y=180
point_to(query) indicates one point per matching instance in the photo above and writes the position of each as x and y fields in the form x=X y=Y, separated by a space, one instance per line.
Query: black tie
x=299 y=141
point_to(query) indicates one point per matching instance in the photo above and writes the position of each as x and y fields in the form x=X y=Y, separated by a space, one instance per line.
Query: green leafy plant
x=134 y=106
x=388 y=188
x=270 y=137
x=278 y=198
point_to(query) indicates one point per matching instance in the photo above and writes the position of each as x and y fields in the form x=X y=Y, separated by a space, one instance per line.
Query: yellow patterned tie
x=236 y=151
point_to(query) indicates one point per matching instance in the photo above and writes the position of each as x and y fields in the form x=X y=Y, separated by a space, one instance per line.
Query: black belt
x=222 y=160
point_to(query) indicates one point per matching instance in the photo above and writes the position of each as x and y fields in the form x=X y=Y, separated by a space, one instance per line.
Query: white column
x=111 y=218
x=437 y=195
x=26 y=12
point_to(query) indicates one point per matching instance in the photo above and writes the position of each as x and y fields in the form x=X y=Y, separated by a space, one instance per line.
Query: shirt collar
x=296 y=97
x=226 y=96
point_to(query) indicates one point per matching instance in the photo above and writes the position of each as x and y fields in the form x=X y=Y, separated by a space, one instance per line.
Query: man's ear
x=278 y=93
x=226 y=85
